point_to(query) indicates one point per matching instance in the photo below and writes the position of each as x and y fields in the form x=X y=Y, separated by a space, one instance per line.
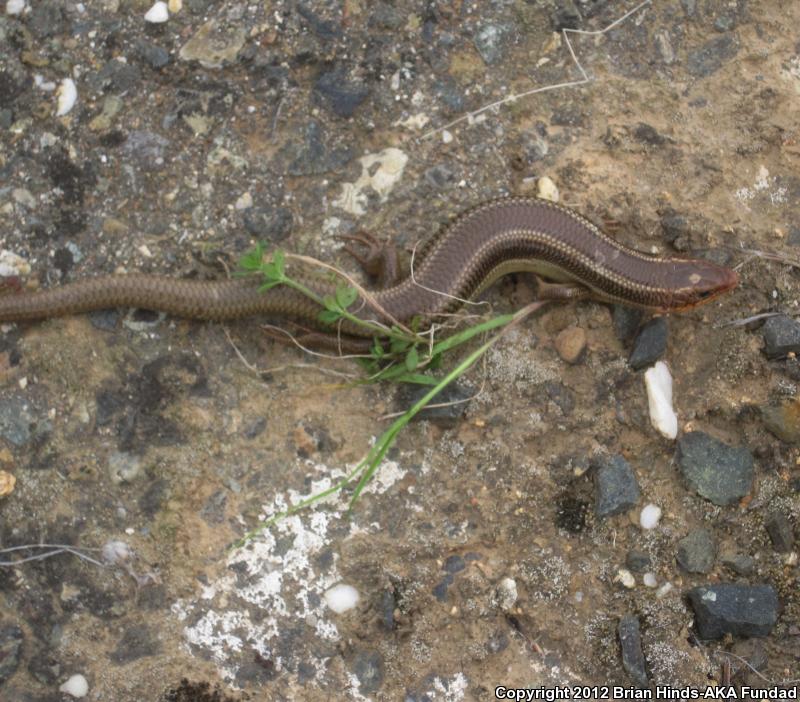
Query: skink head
x=699 y=281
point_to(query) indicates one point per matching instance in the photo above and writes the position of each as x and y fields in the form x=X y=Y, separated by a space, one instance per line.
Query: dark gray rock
x=781 y=336
x=650 y=344
x=637 y=561
x=616 y=488
x=780 y=532
x=783 y=420
x=454 y=564
x=712 y=55
x=729 y=608
x=15 y=420
x=368 y=668
x=11 y=638
x=137 y=642
x=716 y=471
x=455 y=397
x=676 y=230
x=440 y=176
x=630 y=639
x=341 y=95
x=697 y=551
x=153 y=55
x=626 y=321
x=739 y=563
x=268 y=223
x=491 y=41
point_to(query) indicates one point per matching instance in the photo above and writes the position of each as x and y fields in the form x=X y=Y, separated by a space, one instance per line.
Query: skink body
x=491 y=240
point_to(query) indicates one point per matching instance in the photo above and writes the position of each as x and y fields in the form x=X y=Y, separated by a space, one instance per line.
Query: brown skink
x=499 y=237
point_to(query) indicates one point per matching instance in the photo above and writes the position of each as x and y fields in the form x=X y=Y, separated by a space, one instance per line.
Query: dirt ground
x=476 y=552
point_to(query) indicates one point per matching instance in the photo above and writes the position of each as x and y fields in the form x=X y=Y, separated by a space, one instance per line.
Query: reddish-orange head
x=697 y=282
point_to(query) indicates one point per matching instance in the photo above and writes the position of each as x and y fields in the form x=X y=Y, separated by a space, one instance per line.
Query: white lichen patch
x=380 y=172
x=13 y=265
x=275 y=576
x=766 y=184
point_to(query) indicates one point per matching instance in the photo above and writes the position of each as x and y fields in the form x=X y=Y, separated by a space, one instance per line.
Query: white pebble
x=15 y=7
x=659 y=396
x=507 y=593
x=341 y=598
x=245 y=202
x=67 y=96
x=625 y=578
x=649 y=580
x=649 y=516
x=76 y=686
x=175 y=6
x=158 y=13
x=447 y=137
x=547 y=190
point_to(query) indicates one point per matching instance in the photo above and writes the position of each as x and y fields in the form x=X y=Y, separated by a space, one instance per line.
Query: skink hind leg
x=560 y=291
x=380 y=259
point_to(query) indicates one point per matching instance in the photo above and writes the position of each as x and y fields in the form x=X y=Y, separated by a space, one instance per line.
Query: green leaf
x=377 y=350
x=251 y=261
x=345 y=295
x=329 y=316
x=279 y=261
x=412 y=358
x=398 y=346
x=331 y=304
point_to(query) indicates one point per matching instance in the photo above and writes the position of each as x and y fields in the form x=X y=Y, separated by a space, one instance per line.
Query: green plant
x=408 y=358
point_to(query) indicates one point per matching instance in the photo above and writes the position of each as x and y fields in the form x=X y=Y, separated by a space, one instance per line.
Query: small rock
x=507 y=594
x=649 y=516
x=650 y=344
x=11 y=638
x=368 y=668
x=341 y=598
x=676 y=230
x=547 y=189
x=15 y=421
x=158 y=13
x=658 y=383
x=124 y=467
x=626 y=321
x=76 y=686
x=490 y=41
x=781 y=336
x=616 y=489
x=722 y=474
x=570 y=344
x=724 y=23
x=630 y=640
x=784 y=420
x=214 y=44
x=697 y=552
x=637 y=561
x=454 y=564
x=155 y=56
x=730 y=608
x=454 y=397
x=739 y=563
x=780 y=532
x=343 y=96
x=137 y=642
x=625 y=578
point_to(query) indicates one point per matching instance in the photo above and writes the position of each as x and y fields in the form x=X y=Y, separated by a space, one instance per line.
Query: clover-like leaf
x=345 y=295
x=329 y=316
x=412 y=359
